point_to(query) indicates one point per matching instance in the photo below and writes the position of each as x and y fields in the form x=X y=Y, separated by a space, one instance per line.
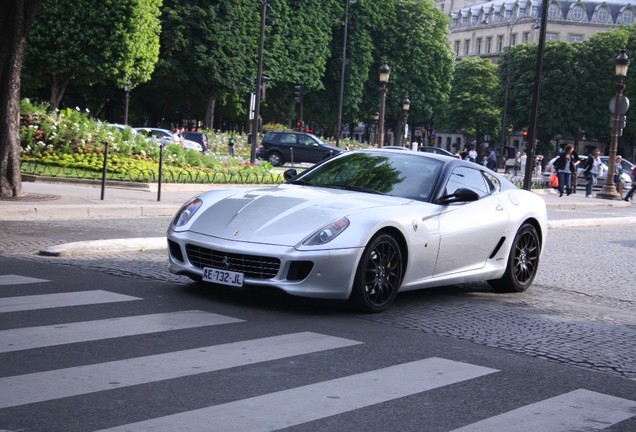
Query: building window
x=553 y=11
x=628 y=16
x=489 y=45
x=549 y=36
x=602 y=15
x=575 y=38
x=478 y=47
x=499 y=43
x=467 y=47
x=577 y=13
x=456 y=48
x=526 y=37
x=513 y=39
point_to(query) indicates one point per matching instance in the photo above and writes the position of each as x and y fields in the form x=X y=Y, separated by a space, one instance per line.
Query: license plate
x=223 y=277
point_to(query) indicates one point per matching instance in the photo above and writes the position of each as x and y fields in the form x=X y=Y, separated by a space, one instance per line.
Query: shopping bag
x=554 y=181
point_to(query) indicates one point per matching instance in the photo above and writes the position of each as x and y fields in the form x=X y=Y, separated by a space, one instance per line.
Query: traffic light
x=298 y=93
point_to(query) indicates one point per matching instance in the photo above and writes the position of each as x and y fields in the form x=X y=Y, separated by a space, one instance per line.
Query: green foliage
x=69 y=138
x=93 y=41
x=473 y=104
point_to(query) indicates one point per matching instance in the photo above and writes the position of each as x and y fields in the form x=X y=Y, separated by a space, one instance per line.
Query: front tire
x=523 y=262
x=379 y=275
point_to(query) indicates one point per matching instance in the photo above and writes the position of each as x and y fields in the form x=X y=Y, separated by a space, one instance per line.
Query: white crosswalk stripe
x=43 y=336
x=312 y=402
x=42 y=386
x=10 y=279
x=578 y=410
x=45 y=301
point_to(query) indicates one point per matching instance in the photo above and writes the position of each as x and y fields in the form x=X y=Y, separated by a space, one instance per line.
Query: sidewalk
x=63 y=200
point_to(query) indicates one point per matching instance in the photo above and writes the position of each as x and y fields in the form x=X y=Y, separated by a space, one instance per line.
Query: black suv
x=199 y=137
x=280 y=147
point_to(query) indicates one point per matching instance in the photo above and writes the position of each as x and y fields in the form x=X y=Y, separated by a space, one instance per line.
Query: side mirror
x=290 y=174
x=460 y=195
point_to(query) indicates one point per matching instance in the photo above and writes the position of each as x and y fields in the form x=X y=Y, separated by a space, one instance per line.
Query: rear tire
x=523 y=262
x=275 y=158
x=379 y=275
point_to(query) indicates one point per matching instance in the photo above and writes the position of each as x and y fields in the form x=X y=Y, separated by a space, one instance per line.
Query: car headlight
x=186 y=212
x=327 y=233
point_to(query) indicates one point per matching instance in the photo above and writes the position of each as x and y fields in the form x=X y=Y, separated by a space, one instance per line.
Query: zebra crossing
x=576 y=410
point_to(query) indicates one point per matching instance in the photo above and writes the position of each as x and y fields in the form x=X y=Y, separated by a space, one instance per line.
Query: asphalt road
x=85 y=350
x=126 y=347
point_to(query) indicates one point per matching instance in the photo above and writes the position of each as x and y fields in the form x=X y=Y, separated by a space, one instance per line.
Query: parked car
x=363 y=226
x=626 y=170
x=164 y=136
x=436 y=150
x=199 y=137
x=280 y=147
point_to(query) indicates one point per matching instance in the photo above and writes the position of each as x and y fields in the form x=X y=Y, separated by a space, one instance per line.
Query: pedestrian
x=230 y=146
x=593 y=169
x=464 y=153
x=472 y=155
x=523 y=159
x=575 y=174
x=491 y=161
x=618 y=178
x=630 y=194
x=564 y=167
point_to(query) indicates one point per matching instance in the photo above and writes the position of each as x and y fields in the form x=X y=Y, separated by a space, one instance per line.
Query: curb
x=96 y=246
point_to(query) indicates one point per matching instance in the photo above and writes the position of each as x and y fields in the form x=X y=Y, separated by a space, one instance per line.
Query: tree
x=16 y=17
x=93 y=41
x=422 y=62
x=208 y=52
x=473 y=105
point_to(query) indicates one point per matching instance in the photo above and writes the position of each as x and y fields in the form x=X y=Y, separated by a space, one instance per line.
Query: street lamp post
x=609 y=189
x=385 y=72
x=406 y=104
x=127 y=89
x=259 y=83
x=342 y=72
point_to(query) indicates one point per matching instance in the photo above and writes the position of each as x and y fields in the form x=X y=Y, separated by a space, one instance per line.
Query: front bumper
x=326 y=274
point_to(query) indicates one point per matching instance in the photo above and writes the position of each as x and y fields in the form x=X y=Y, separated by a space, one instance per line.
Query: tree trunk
x=208 y=121
x=16 y=17
x=58 y=87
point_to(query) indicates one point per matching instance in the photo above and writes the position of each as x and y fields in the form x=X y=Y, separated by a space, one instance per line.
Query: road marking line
x=43 y=386
x=578 y=410
x=45 y=301
x=12 y=279
x=58 y=334
x=315 y=401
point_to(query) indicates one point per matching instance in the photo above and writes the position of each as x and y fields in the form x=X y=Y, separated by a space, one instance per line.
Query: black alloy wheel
x=523 y=262
x=379 y=275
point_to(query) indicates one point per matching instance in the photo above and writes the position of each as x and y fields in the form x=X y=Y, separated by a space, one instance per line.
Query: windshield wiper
x=352 y=188
x=301 y=183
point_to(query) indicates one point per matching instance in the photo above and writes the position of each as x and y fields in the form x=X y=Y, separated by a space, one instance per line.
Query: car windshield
x=388 y=173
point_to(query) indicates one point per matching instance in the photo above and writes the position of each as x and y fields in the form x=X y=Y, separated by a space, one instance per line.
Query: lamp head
x=622 y=63
x=406 y=103
x=385 y=71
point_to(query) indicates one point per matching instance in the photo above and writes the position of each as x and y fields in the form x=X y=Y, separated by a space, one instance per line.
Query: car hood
x=283 y=215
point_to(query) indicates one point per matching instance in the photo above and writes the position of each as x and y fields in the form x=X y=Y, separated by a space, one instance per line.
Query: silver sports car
x=363 y=226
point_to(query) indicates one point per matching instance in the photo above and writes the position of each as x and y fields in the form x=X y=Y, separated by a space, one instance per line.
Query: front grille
x=252 y=266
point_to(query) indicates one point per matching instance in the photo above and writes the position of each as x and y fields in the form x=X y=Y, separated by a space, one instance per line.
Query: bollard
x=160 y=171
x=104 y=170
